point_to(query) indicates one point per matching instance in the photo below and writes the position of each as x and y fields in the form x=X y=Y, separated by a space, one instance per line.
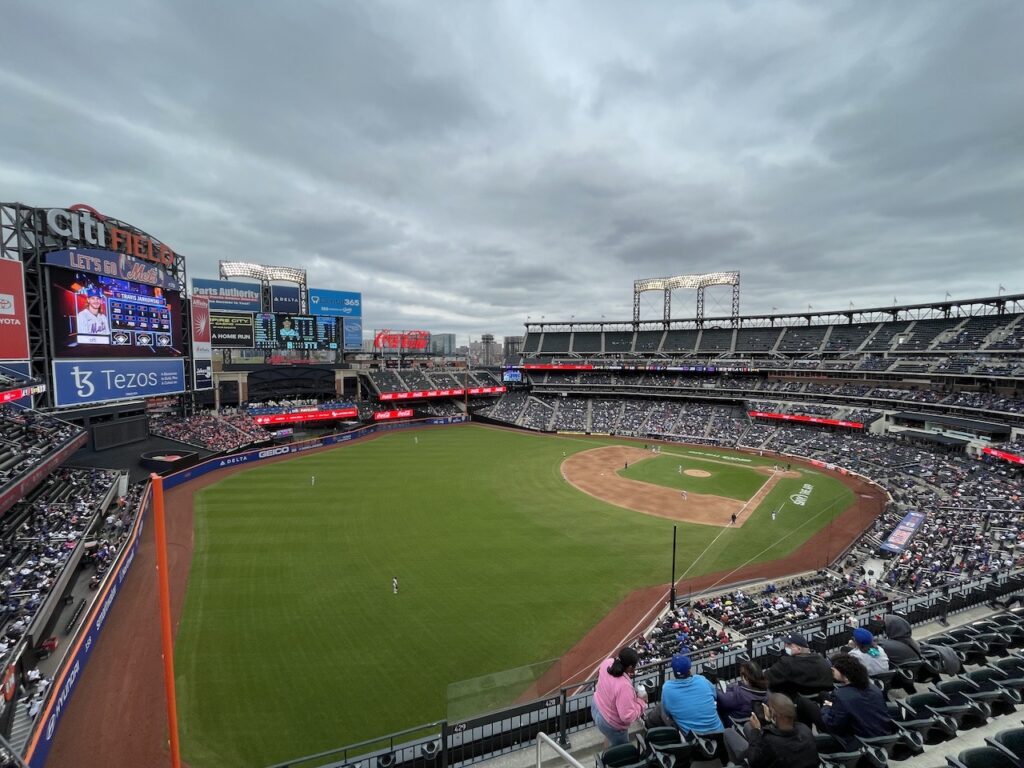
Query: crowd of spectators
x=226 y=432
x=38 y=536
x=28 y=438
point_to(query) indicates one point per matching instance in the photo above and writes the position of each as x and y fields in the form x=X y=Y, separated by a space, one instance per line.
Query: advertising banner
x=112 y=264
x=1010 y=457
x=428 y=393
x=82 y=382
x=228 y=295
x=304 y=416
x=335 y=303
x=353 y=333
x=23 y=369
x=235 y=331
x=201 y=337
x=284 y=298
x=13 y=327
x=404 y=413
x=904 y=532
x=401 y=341
x=805 y=419
x=202 y=350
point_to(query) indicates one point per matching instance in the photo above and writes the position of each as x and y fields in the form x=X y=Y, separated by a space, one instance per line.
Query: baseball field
x=508 y=547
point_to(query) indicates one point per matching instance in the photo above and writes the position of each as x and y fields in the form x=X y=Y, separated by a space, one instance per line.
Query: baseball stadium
x=237 y=535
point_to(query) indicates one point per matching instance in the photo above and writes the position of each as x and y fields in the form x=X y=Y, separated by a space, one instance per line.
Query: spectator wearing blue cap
x=867 y=652
x=690 y=699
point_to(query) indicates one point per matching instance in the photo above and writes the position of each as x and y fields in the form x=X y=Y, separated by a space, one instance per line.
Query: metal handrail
x=543 y=738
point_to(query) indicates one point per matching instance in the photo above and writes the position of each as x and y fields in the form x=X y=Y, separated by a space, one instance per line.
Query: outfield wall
x=66 y=680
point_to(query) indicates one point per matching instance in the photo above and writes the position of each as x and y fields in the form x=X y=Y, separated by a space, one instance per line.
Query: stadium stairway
x=21 y=726
x=587 y=744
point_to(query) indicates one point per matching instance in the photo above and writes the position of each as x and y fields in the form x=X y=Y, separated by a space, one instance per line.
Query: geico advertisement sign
x=275 y=452
x=79 y=382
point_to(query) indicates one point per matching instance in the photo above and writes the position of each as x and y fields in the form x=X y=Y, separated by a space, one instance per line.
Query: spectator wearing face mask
x=800 y=671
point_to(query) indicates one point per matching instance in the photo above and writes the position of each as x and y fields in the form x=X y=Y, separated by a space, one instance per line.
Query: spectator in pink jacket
x=616 y=703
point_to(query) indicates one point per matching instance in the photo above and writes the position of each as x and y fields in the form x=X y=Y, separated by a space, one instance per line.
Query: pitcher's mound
x=696 y=473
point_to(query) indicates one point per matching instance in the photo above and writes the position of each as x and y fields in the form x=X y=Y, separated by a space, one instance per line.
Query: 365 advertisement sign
x=81 y=382
x=13 y=328
x=335 y=303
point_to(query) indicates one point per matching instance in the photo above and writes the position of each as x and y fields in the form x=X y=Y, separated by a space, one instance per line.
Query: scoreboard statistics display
x=285 y=331
x=101 y=316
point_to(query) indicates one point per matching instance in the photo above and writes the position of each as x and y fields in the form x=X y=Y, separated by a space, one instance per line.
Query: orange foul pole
x=167 y=635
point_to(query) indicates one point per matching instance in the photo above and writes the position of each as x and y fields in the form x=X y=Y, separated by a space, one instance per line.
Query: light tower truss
x=695 y=282
x=265 y=275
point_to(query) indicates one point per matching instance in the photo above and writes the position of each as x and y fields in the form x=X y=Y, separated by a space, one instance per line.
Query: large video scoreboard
x=285 y=331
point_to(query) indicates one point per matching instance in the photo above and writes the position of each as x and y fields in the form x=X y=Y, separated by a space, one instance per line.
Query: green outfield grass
x=291 y=641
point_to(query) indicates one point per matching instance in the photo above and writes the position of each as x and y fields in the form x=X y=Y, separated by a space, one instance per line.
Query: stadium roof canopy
x=953 y=422
x=935 y=437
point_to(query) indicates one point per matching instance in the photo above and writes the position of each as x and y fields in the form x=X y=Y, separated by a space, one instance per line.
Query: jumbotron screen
x=283 y=331
x=100 y=316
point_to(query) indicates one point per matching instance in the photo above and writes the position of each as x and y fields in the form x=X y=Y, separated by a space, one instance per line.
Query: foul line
x=656 y=608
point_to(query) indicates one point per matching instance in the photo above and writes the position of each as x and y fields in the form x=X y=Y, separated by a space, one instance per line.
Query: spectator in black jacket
x=800 y=671
x=856 y=707
x=773 y=738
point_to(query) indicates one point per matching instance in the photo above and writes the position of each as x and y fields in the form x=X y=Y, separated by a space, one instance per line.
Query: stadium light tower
x=697 y=282
x=265 y=275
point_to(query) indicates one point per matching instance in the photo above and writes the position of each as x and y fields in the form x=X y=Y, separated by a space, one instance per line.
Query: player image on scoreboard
x=91 y=324
x=287 y=332
x=101 y=316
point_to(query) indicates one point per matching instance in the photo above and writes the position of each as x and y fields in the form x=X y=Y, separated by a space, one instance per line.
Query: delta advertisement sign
x=404 y=413
x=805 y=419
x=1010 y=457
x=428 y=393
x=305 y=416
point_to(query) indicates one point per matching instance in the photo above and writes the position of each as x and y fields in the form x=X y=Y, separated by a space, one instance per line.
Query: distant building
x=442 y=344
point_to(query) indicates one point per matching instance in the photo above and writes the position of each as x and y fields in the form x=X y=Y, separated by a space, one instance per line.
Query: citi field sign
x=84 y=224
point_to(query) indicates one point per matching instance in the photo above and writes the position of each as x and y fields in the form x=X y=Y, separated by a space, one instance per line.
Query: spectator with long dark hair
x=739 y=699
x=616 y=703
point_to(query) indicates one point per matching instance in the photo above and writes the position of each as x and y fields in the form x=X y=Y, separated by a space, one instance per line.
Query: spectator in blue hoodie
x=690 y=699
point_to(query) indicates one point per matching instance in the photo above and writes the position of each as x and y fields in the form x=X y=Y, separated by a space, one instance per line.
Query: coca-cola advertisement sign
x=401 y=341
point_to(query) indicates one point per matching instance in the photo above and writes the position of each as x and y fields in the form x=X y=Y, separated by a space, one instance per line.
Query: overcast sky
x=467 y=165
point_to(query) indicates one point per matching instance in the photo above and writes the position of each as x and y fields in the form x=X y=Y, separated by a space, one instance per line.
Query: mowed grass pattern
x=291 y=641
